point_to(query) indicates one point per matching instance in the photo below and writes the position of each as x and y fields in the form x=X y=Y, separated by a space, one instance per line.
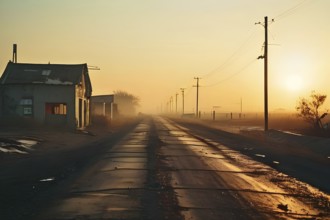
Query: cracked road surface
x=160 y=170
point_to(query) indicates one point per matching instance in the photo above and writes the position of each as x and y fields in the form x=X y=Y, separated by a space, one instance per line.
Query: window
x=27 y=106
x=46 y=72
x=56 y=108
x=27 y=110
x=26 y=102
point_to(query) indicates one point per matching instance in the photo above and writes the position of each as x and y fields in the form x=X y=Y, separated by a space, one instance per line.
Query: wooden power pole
x=266 y=74
x=265 y=57
x=197 y=95
x=182 y=91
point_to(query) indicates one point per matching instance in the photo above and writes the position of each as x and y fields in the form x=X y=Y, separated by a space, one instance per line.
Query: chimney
x=14 y=53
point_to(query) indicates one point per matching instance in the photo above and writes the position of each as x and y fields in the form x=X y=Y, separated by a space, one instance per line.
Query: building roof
x=103 y=98
x=56 y=74
x=49 y=74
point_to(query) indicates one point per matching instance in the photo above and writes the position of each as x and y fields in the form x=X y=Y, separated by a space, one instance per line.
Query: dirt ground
x=30 y=177
x=45 y=138
x=282 y=122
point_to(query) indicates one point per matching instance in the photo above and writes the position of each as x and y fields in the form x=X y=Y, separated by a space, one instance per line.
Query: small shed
x=52 y=94
x=104 y=105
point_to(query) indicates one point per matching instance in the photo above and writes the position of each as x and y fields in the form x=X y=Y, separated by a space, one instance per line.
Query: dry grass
x=283 y=122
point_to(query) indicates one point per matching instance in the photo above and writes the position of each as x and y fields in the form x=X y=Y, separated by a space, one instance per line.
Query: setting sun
x=293 y=82
x=296 y=71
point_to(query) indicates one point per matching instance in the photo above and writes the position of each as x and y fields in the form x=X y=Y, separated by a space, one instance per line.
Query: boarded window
x=56 y=108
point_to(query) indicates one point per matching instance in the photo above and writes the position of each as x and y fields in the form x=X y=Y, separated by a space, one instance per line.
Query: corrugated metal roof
x=52 y=74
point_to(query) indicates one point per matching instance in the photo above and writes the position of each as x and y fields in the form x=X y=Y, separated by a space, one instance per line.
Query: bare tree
x=309 y=109
x=126 y=102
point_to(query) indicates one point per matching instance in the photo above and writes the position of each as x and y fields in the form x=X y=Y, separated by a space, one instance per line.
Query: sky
x=152 y=48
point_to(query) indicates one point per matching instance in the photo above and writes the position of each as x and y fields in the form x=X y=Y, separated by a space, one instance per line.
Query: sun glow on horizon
x=152 y=49
x=296 y=70
x=293 y=83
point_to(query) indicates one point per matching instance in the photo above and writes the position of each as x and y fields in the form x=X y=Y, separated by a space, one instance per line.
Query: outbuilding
x=51 y=94
x=104 y=105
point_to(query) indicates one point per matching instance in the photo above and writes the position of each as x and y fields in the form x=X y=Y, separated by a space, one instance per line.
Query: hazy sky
x=152 y=48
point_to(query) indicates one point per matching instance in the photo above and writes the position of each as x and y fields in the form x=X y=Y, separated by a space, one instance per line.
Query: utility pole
x=197 y=86
x=176 y=103
x=266 y=73
x=182 y=91
x=265 y=57
x=171 y=104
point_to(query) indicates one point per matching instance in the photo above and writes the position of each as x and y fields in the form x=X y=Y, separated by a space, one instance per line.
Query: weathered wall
x=102 y=109
x=82 y=106
x=41 y=94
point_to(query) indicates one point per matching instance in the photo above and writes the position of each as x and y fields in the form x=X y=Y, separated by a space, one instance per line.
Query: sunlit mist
x=151 y=49
x=294 y=83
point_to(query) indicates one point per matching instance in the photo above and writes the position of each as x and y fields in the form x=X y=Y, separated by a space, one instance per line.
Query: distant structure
x=14 y=53
x=51 y=94
x=104 y=105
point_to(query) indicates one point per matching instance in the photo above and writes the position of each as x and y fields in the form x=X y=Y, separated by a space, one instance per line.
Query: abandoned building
x=104 y=105
x=51 y=94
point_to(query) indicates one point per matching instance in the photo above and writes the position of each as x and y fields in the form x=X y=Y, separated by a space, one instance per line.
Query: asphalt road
x=154 y=169
x=303 y=157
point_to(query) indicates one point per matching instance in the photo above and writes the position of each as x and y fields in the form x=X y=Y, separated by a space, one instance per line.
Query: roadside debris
x=283 y=207
x=17 y=145
x=47 y=179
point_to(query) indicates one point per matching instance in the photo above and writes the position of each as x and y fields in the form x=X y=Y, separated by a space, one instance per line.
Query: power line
x=189 y=89
x=233 y=75
x=231 y=57
x=228 y=61
x=291 y=10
